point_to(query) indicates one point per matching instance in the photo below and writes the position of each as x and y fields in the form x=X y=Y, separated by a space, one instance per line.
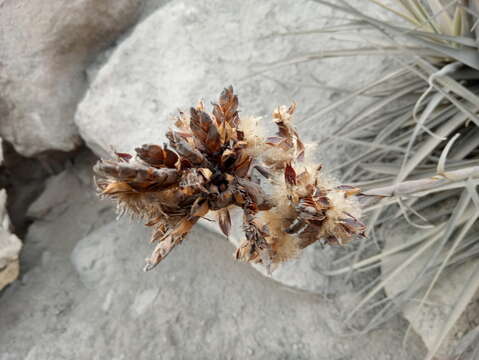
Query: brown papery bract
x=216 y=161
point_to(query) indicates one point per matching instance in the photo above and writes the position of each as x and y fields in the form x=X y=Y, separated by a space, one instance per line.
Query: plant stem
x=414 y=186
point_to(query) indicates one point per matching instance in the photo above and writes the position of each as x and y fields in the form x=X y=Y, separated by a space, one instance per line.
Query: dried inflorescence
x=211 y=164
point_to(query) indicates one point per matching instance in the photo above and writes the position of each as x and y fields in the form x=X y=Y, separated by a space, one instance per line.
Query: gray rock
x=198 y=304
x=150 y=6
x=190 y=49
x=83 y=295
x=10 y=246
x=67 y=210
x=429 y=320
x=200 y=299
x=45 y=49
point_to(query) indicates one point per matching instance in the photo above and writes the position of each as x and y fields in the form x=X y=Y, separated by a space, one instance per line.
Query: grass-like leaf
x=428 y=108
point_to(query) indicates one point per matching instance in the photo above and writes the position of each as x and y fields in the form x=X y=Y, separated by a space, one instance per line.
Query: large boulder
x=46 y=46
x=10 y=246
x=189 y=50
x=83 y=295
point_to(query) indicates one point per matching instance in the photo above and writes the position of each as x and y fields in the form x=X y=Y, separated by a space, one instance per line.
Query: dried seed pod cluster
x=210 y=165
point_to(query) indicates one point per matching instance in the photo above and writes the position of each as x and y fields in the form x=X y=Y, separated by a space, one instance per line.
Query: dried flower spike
x=209 y=165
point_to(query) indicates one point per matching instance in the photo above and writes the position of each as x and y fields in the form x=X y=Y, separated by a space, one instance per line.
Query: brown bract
x=208 y=165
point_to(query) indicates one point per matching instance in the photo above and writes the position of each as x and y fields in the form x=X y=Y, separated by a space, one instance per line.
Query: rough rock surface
x=150 y=6
x=46 y=46
x=83 y=296
x=10 y=246
x=433 y=315
x=190 y=49
x=24 y=179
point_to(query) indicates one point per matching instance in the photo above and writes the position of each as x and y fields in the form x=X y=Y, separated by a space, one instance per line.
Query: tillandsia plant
x=213 y=162
x=420 y=135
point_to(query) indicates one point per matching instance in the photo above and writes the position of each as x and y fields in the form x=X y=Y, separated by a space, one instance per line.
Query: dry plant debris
x=212 y=163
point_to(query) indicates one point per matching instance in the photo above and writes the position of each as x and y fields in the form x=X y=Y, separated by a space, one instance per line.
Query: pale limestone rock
x=46 y=46
x=191 y=49
x=10 y=246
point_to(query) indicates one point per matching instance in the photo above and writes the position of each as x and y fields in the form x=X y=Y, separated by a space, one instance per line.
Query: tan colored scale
x=216 y=161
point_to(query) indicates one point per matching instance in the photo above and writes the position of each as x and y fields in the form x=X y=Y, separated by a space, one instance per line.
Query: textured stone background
x=79 y=78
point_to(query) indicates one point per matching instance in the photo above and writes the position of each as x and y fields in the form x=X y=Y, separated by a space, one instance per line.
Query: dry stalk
x=208 y=166
x=429 y=184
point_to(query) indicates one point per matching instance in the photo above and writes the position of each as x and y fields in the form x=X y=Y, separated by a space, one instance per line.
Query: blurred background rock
x=83 y=77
